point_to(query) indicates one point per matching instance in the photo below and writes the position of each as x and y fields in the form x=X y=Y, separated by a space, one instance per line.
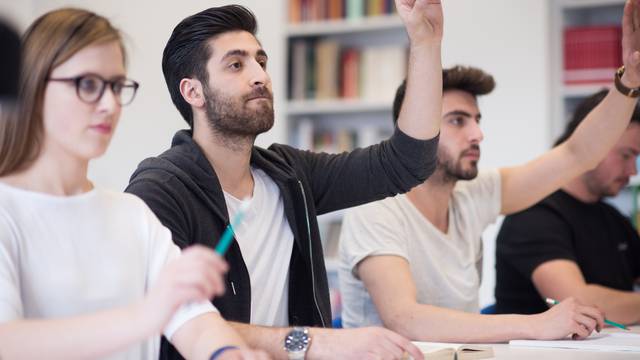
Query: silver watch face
x=297 y=340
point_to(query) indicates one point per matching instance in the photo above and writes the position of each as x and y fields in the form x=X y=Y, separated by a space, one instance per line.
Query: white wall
x=506 y=38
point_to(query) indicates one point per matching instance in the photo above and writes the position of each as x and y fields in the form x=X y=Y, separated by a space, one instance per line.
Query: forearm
x=211 y=332
x=601 y=129
x=432 y=323
x=422 y=106
x=619 y=306
x=269 y=339
x=83 y=337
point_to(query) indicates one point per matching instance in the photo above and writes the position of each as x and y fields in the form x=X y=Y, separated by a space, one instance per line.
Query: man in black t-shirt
x=574 y=244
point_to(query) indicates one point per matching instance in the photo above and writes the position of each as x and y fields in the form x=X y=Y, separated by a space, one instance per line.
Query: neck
x=578 y=189
x=53 y=172
x=432 y=199
x=230 y=158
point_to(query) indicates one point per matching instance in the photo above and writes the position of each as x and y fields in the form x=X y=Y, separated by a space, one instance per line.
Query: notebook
x=617 y=341
x=450 y=351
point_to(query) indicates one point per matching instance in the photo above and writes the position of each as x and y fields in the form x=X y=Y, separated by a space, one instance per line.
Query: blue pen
x=227 y=235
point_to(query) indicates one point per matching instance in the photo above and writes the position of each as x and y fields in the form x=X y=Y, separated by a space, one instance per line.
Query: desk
x=506 y=352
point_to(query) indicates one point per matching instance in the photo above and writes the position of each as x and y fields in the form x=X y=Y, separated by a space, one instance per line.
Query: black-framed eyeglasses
x=91 y=87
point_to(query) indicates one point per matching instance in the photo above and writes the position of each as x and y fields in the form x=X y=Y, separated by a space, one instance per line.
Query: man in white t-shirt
x=413 y=262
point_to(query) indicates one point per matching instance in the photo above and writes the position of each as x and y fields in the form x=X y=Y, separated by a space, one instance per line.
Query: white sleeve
x=369 y=230
x=10 y=301
x=161 y=251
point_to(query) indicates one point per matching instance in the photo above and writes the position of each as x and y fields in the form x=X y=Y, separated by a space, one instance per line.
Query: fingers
x=628 y=25
x=404 y=344
x=586 y=322
x=594 y=313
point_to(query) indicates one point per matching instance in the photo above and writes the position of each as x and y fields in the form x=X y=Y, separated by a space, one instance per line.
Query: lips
x=102 y=128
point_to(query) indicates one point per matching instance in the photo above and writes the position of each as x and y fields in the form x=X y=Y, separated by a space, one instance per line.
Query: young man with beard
x=413 y=262
x=574 y=244
x=215 y=69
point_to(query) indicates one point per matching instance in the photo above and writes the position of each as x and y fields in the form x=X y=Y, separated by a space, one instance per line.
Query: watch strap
x=622 y=88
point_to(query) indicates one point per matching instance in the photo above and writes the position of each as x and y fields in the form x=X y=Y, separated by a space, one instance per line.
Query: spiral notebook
x=617 y=341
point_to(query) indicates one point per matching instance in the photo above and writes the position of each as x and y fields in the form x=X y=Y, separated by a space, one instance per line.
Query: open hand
x=423 y=20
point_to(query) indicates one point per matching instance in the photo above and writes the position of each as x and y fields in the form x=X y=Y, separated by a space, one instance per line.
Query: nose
x=259 y=75
x=108 y=102
x=634 y=166
x=475 y=132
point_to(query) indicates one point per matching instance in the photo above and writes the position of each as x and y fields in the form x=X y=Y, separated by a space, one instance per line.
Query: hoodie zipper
x=313 y=277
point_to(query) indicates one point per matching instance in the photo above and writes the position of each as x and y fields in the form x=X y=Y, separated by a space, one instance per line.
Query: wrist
x=626 y=84
x=319 y=343
x=220 y=351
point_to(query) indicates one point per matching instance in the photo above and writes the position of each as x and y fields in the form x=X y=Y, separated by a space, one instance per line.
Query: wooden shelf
x=338 y=106
x=345 y=26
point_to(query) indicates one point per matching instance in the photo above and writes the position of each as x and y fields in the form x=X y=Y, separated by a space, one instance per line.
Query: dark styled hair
x=465 y=78
x=51 y=40
x=583 y=109
x=187 y=51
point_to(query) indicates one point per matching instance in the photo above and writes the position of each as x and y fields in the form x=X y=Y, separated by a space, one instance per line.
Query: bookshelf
x=576 y=14
x=345 y=60
x=603 y=14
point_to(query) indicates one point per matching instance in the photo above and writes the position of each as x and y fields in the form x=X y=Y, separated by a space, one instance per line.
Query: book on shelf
x=336 y=140
x=452 y=351
x=591 y=54
x=323 y=10
x=323 y=70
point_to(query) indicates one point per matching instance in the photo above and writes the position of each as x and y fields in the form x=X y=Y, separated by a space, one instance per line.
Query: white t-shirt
x=75 y=255
x=445 y=267
x=266 y=243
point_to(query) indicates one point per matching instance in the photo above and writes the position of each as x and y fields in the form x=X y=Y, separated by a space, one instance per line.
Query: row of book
x=322 y=69
x=320 y=10
x=307 y=137
x=591 y=54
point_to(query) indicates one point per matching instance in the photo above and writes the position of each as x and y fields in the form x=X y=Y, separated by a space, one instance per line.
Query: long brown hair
x=50 y=41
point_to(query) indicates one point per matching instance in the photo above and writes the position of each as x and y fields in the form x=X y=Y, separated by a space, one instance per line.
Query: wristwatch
x=630 y=92
x=296 y=343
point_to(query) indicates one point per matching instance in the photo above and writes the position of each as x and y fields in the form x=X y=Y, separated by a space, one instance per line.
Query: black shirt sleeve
x=366 y=174
x=532 y=237
x=166 y=205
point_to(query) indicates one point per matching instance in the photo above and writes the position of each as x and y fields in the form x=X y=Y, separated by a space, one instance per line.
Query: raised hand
x=631 y=43
x=423 y=20
x=194 y=276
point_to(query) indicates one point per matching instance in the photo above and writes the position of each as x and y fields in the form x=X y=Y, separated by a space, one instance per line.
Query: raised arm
x=422 y=107
x=526 y=184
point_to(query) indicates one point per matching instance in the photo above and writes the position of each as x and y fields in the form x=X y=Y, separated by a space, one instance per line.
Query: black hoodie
x=182 y=189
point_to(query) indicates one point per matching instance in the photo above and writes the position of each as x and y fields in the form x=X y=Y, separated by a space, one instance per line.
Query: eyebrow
x=462 y=113
x=243 y=53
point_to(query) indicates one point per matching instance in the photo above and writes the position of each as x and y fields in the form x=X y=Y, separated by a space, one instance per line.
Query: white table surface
x=504 y=352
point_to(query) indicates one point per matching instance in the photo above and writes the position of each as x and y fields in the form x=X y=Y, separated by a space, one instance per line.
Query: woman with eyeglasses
x=86 y=272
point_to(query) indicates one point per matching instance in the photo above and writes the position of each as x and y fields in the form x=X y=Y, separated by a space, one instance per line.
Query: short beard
x=451 y=171
x=232 y=122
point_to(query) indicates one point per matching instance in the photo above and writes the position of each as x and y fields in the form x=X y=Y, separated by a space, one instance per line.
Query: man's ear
x=192 y=92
